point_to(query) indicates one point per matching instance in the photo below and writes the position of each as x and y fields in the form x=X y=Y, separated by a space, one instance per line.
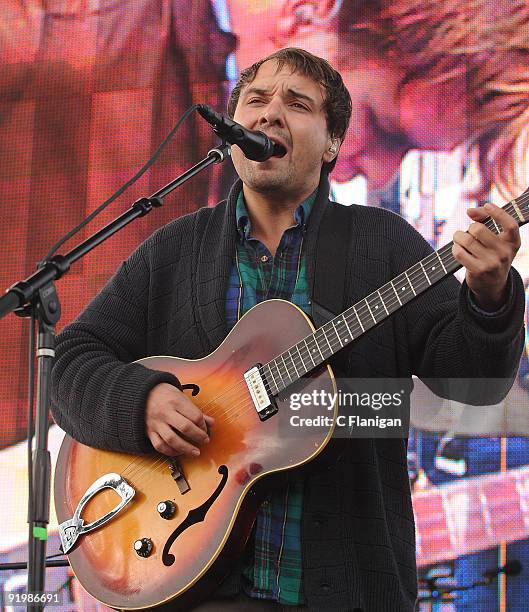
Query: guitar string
x=400 y=281
x=362 y=308
x=234 y=409
x=234 y=412
x=443 y=252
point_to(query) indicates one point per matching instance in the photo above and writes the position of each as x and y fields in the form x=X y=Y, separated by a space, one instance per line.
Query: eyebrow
x=292 y=92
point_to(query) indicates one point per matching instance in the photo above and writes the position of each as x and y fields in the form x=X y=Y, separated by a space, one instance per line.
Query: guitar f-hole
x=195 y=516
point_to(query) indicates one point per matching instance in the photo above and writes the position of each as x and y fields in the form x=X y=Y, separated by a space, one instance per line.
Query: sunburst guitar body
x=151 y=532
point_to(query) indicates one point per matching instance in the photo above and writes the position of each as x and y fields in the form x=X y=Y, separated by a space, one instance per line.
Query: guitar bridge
x=262 y=400
x=178 y=476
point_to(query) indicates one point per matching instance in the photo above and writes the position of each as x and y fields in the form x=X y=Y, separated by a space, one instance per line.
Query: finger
x=478 y=213
x=160 y=446
x=176 y=442
x=483 y=235
x=210 y=422
x=510 y=232
x=501 y=223
x=187 y=428
x=482 y=244
x=466 y=259
x=470 y=244
x=187 y=408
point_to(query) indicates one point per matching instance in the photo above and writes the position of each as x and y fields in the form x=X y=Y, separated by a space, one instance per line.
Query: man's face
x=288 y=107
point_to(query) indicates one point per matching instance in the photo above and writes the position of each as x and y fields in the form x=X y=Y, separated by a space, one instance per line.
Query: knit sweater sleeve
x=448 y=339
x=98 y=393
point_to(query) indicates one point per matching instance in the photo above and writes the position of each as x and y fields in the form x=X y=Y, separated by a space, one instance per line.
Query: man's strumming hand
x=174 y=425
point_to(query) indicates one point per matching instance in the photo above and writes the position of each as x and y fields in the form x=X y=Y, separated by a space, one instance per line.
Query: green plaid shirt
x=273 y=566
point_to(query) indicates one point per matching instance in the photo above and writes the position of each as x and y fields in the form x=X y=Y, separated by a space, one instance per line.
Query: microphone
x=254 y=144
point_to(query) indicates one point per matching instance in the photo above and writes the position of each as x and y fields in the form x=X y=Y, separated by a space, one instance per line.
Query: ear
x=332 y=150
x=305 y=16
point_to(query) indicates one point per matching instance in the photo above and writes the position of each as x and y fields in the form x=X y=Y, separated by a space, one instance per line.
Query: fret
x=359 y=322
x=322 y=329
x=301 y=359
x=337 y=334
x=370 y=311
x=411 y=285
x=404 y=289
x=383 y=303
x=417 y=275
x=317 y=346
x=441 y=261
x=393 y=286
x=348 y=328
x=518 y=211
x=280 y=376
x=425 y=274
x=375 y=306
x=292 y=360
x=330 y=326
x=286 y=369
x=432 y=267
x=496 y=226
x=272 y=375
x=351 y=335
x=308 y=351
x=271 y=379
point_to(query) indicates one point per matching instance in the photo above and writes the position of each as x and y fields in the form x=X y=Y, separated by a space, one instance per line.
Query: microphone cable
x=122 y=189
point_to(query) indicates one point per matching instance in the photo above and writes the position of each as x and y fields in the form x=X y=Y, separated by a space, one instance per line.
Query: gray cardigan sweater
x=168 y=298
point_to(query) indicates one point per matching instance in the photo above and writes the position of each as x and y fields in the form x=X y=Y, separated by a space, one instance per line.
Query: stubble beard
x=276 y=181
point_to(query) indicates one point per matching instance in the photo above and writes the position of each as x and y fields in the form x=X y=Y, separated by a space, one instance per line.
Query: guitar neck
x=471 y=514
x=337 y=333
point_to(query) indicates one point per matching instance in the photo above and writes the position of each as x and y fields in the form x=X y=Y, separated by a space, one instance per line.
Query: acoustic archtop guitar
x=153 y=532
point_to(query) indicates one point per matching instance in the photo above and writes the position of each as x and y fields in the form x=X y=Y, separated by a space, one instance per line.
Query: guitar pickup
x=263 y=402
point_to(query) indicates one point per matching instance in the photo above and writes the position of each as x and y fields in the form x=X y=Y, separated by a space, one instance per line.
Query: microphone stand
x=36 y=296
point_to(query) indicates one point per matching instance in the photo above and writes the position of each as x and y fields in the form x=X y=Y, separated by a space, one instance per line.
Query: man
x=339 y=535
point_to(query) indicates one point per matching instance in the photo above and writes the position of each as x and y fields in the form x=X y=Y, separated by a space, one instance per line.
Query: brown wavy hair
x=337 y=101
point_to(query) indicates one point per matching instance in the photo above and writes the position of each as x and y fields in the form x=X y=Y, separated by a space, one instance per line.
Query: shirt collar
x=301 y=214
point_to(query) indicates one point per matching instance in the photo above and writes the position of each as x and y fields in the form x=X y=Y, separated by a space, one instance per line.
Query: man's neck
x=271 y=214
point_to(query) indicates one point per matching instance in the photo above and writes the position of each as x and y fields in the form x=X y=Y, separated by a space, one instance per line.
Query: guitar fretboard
x=337 y=333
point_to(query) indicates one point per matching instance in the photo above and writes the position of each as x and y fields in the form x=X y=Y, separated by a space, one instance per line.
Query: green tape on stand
x=40 y=532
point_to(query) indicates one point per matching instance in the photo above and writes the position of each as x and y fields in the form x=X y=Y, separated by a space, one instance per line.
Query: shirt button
x=264 y=258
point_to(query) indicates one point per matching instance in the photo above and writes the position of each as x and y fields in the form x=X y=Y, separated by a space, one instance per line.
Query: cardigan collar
x=217 y=252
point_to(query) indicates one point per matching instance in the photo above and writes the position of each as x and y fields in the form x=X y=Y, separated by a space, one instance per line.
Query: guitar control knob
x=143 y=547
x=166 y=509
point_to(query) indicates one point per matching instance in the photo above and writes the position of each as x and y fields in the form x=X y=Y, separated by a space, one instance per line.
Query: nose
x=272 y=114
